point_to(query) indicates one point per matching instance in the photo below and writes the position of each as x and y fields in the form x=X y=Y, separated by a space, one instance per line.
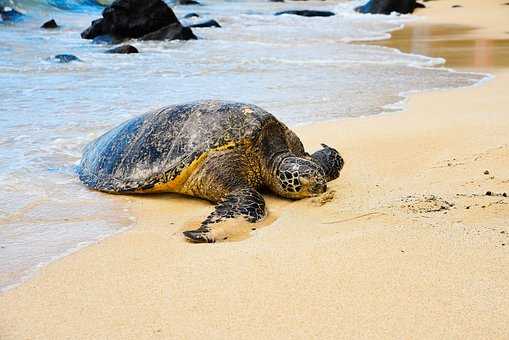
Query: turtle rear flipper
x=244 y=202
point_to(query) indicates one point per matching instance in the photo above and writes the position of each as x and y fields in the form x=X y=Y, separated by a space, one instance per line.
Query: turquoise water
x=300 y=69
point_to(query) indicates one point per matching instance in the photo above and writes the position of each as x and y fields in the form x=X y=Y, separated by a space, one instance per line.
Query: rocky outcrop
x=389 y=6
x=139 y=19
x=308 y=13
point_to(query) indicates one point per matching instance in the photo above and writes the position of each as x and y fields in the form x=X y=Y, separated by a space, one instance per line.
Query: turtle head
x=298 y=177
x=330 y=160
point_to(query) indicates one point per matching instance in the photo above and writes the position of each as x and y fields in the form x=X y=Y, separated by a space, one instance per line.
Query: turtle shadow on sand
x=223 y=152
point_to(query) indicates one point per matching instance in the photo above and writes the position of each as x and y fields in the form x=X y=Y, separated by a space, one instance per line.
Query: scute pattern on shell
x=157 y=146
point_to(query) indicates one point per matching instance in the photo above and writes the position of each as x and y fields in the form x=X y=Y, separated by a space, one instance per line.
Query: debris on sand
x=324 y=198
x=425 y=204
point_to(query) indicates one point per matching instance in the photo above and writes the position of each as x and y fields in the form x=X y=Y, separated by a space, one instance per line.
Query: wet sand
x=454 y=44
x=472 y=37
x=410 y=245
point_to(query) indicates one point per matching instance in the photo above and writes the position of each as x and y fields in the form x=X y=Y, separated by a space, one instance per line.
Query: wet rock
x=139 y=19
x=50 y=24
x=10 y=14
x=124 y=49
x=308 y=13
x=188 y=2
x=66 y=58
x=171 y=32
x=388 y=6
x=208 y=23
x=191 y=15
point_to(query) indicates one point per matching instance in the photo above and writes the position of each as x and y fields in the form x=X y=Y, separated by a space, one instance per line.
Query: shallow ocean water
x=300 y=69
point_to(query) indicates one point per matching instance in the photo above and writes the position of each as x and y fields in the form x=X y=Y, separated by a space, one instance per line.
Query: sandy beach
x=412 y=241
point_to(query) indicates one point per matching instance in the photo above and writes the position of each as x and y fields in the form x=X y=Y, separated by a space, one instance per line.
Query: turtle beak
x=318 y=188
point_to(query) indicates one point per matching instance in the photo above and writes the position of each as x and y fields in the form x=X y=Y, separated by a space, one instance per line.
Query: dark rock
x=50 y=24
x=124 y=49
x=208 y=23
x=388 y=6
x=489 y=193
x=188 y=2
x=191 y=15
x=66 y=58
x=171 y=32
x=144 y=19
x=419 y=5
x=456 y=6
x=277 y=0
x=308 y=13
x=486 y=172
x=10 y=14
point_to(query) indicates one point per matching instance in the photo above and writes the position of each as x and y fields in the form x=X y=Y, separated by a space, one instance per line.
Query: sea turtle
x=220 y=151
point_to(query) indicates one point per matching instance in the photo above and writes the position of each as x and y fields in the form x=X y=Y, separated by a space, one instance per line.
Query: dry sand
x=409 y=247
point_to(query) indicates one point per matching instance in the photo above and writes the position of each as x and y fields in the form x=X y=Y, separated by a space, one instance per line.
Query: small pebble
x=486 y=172
x=504 y=194
x=502 y=232
x=489 y=193
x=467 y=207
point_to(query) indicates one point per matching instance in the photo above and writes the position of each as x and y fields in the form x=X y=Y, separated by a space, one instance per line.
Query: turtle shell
x=157 y=146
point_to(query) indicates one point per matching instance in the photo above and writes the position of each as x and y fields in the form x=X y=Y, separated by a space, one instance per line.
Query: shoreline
x=386 y=232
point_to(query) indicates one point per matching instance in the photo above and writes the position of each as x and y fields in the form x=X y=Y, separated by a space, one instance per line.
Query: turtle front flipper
x=244 y=202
